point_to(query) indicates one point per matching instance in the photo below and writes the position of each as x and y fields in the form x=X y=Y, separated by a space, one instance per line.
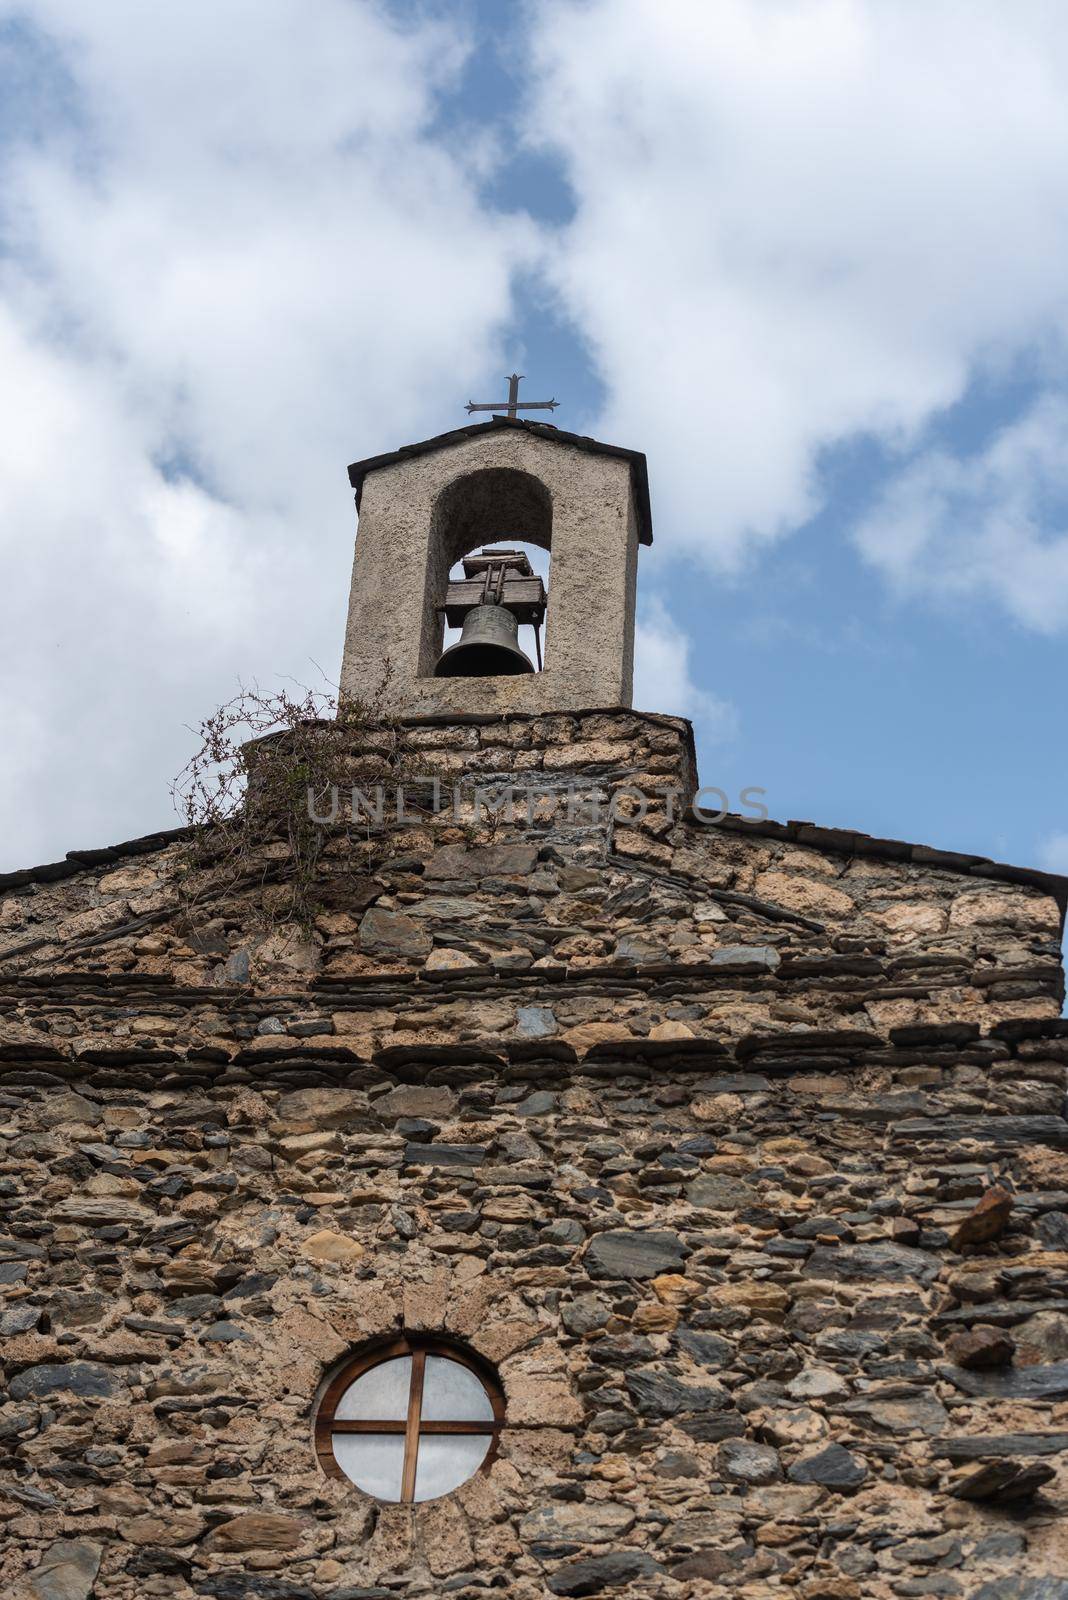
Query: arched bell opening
x=497 y=639
x=488 y=562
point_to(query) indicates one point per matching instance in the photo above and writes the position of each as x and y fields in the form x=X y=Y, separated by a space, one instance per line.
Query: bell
x=487 y=648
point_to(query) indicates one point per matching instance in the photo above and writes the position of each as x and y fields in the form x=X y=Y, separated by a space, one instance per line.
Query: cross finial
x=513 y=405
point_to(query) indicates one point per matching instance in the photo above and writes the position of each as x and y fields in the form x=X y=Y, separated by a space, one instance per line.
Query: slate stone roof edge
x=75 y=860
x=847 y=841
x=639 y=470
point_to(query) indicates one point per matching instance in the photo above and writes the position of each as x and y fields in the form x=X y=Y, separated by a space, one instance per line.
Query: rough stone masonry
x=739 y=1150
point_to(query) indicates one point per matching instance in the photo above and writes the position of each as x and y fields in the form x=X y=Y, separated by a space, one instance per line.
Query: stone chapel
x=597 y=1198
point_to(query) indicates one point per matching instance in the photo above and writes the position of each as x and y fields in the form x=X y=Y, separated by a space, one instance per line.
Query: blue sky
x=856 y=708
x=811 y=257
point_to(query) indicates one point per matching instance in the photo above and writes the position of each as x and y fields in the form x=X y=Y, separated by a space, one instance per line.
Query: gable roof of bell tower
x=639 y=473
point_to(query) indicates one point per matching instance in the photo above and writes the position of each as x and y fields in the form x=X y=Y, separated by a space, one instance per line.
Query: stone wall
x=742 y=1157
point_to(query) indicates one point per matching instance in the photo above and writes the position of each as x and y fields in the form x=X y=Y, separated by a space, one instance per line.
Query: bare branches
x=254 y=793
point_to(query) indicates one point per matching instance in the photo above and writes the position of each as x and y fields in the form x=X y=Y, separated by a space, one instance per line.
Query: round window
x=410 y=1420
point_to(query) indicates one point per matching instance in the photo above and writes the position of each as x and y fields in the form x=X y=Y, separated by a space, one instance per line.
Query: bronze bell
x=487 y=648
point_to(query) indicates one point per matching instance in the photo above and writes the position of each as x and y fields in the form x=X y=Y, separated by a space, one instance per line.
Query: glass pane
x=374 y=1461
x=448 y=1459
x=452 y=1393
x=380 y=1395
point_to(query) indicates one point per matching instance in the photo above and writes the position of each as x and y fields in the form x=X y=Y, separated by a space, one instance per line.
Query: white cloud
x=236 y=259
x=799 y=220
x=978 y=526
x=663 y=675
x=1053 y=854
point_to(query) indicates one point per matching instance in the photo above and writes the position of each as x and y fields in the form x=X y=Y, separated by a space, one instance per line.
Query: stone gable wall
x=880 y=933
x=743 y=1159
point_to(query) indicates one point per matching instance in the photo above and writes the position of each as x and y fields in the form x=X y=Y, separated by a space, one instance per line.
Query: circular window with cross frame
x=410 y=1419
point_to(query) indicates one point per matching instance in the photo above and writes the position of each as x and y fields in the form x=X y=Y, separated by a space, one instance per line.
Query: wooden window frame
x=413 y=1426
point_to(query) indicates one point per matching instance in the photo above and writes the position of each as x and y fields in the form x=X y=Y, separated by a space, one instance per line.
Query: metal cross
x=513 y=405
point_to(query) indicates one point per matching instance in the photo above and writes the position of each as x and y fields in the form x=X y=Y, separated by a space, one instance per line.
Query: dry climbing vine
x=256 y=795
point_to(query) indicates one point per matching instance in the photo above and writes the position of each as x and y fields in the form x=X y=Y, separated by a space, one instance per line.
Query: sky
x=811 y=256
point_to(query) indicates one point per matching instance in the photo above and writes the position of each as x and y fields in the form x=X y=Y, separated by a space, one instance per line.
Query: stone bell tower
x=425 y=506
